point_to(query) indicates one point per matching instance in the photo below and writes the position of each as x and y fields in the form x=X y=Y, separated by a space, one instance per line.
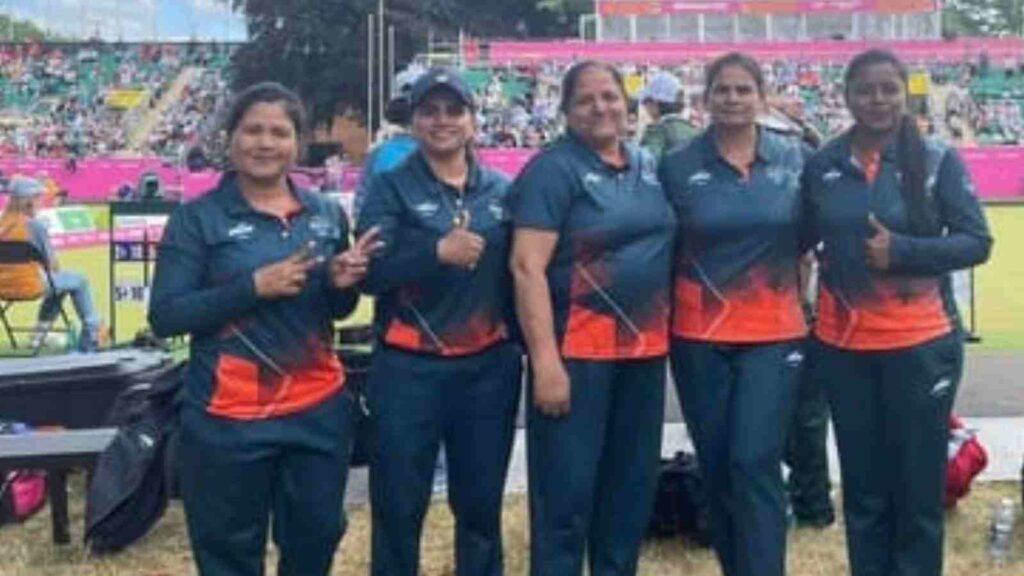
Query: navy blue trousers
x=738 y=402
x=238 y=477
x=417 y=402
x=594 y=472
x=891 y=415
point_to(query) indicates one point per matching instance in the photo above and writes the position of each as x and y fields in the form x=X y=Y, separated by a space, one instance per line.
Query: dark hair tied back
x=572 y=77
x=265 y=93
x=739 y=60
x=912 y=161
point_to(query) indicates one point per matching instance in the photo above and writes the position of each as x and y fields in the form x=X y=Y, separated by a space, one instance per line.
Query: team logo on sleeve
x=968 y=185
x=702 y=178
x=649 y=176
x=426 y=209
x=497 y=209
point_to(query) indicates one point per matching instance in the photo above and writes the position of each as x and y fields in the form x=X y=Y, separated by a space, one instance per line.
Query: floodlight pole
x=391 y=55
x=382 y=81
x=369 y=79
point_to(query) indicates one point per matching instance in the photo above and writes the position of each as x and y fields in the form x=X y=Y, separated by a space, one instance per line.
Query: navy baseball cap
x=439 y=79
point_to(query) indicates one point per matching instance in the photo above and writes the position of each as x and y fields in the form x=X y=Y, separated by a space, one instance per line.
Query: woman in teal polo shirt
x=591 y=259
x=894 y=214
x=255 y=272
x=737 y=325
x=445 y=369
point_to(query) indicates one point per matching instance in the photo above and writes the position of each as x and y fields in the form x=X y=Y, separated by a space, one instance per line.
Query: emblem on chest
x=699 y=179
x=426 y=209
x=241 y=231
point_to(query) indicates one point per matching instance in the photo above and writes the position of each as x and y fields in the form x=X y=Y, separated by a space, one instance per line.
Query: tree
x=12 y=30
x=984 y=17
x=562 y=16
x=311 y=46
x=318 y=47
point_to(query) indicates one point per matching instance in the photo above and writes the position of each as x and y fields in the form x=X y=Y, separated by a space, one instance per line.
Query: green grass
x=998 y=283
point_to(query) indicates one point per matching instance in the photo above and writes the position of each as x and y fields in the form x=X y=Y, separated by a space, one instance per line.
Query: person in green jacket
x=662 y=98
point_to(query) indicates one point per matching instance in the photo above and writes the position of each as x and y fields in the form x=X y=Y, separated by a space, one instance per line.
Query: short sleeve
x=541 y=196
x=672 y=173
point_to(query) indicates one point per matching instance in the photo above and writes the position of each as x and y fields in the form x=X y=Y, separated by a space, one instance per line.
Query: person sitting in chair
x=18 y=222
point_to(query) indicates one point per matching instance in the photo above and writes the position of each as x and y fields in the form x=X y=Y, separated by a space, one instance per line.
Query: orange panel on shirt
x=889 y=321
x=757 y=312
x=871 y=164
x=589 y=334
x=592 y=335
x=401 y=335
x=243 y=392
x=475 y=335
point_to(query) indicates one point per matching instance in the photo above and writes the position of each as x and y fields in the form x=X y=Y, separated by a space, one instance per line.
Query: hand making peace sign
x=350 y=266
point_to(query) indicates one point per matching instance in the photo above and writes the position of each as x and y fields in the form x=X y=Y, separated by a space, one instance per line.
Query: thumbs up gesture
x=460 y=247
x=876 y=246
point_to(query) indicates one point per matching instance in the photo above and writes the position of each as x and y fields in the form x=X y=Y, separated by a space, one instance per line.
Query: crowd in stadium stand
x=82 y=100
x=974 y=102
x=192 y=118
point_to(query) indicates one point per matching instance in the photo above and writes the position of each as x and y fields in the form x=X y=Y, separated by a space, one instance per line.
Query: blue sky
x=132 y=20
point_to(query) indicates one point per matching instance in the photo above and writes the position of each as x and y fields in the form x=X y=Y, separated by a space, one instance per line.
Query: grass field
x=999 y=285
x=27 y=550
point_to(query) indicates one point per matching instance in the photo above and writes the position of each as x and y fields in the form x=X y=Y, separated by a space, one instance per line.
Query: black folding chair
x=13 y=252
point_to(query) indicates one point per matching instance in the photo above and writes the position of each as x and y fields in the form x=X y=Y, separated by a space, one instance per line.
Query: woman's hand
x=460 y=247
x=350 y=266
x=286 y=277
x=552 y=394
x=877 y=246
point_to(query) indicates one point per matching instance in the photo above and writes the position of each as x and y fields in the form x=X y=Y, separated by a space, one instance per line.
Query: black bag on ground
x=679 y=508
x=134 y=479
x=354 y=346
x=357 y=369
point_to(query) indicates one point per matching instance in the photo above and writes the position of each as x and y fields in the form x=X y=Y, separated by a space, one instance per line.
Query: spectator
x=662 y=98
x=18 y=222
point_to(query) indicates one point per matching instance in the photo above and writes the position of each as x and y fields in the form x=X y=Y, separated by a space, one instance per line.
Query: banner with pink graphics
x=670 y=53
x=97 y=180
x=658 y=7
x=998 y=173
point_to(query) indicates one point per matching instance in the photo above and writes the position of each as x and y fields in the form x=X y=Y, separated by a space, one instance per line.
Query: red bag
x=22 y=494
x=967 y=458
